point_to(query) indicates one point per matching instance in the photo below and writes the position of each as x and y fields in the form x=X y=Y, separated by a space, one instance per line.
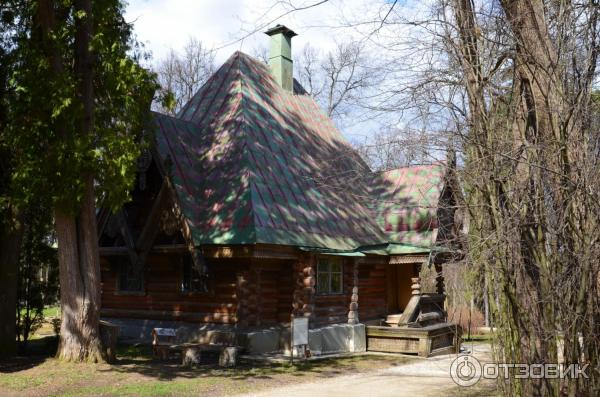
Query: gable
x=407 y=202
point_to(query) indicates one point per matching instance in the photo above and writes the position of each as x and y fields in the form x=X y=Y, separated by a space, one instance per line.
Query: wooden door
x=392 y=289
x=404 y=273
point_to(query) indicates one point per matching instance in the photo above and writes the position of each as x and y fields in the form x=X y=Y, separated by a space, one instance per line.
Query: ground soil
x=137 y=374
x=418 y=377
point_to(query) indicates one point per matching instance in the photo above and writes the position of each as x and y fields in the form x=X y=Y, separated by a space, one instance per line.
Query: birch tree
x=182 y=74
x=337 y=79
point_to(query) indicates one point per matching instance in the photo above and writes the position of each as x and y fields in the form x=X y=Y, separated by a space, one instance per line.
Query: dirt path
x=424 y=377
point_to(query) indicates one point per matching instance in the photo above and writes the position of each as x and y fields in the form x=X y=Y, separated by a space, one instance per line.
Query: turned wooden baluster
x=353 y=308
x=439 y=280
x=416 y=286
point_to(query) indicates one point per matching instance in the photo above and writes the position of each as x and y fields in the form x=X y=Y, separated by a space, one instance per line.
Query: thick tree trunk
x=79 y=281
x=77 y=235
x=11 y=234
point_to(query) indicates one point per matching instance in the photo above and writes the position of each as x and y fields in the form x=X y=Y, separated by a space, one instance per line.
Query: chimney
x=280 y=56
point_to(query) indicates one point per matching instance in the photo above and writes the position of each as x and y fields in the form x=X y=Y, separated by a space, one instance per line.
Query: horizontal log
x=339 y=311
x=166 y=304
x=175 y=309
x=163 y=315
x=371 y=306
x=112 y=251
x=178 y=296
x=169 y=249
x=331 y=319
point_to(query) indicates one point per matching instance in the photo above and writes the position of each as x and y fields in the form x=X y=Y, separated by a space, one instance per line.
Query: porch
x=421 y=328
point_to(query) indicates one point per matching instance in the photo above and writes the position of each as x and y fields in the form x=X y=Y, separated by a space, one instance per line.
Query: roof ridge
x=226 y=77
x=243 y=124
x=404 y=167
x=203 y=89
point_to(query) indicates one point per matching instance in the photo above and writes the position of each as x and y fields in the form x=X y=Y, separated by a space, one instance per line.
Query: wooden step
x=392 y=319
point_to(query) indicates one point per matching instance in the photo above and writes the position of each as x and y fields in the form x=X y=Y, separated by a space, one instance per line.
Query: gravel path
x=423 y=377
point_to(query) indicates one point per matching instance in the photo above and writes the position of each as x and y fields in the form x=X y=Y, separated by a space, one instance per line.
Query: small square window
x=336 y=283
x=192 y=279
x=130 y=278
x=323 y=282
x=329 y=276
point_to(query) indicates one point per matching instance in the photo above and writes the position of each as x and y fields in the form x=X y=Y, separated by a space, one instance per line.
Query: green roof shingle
x=252 y=163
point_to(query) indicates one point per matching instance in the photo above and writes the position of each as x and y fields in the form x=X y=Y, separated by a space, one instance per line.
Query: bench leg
x=160 y=352
x=191 y=356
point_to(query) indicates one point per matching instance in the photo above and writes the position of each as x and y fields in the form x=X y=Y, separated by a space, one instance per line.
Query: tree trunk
x=11 y=235
x=79 y=281
x=77 y=234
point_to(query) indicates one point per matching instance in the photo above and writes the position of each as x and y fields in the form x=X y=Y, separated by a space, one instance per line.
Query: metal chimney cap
x=281 y=29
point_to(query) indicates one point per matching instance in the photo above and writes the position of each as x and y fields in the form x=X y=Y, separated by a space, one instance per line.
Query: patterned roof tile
x=252 y=163
x=406 y=203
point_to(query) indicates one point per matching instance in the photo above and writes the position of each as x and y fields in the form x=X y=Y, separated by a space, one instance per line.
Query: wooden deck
x=425 y=341
x=420 y=329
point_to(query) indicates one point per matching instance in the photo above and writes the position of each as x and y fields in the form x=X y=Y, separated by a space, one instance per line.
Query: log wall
x=265 y=293
x=371 y=291
x=162 y=298
x=249 y=292
x=333 y=309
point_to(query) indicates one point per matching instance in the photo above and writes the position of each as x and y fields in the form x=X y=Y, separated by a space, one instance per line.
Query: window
x=130 y=278
x=329 y=276
x=192 y=280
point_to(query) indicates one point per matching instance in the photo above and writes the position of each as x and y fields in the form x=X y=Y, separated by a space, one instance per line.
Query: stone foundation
x=337 y=338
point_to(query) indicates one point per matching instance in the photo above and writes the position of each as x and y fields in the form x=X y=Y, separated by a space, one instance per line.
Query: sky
x=230 y=25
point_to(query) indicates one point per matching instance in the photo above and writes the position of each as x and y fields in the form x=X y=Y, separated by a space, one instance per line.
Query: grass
x=136 y=351
x=487 y=388
x=482 y=338
x=137 y=374
x=51 y=311
x=19 y=382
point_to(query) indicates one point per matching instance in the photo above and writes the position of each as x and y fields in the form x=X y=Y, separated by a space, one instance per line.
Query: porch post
x=304 y=289
x=416 y=286
x=353 y=307
x=242 y=293
x=439 y=280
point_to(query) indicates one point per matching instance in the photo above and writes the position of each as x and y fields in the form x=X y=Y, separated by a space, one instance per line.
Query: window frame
x=186 y=261
x=121 y=264
x=329 y=272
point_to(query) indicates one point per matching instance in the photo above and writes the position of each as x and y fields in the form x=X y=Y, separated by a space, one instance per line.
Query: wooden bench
x=164 y=341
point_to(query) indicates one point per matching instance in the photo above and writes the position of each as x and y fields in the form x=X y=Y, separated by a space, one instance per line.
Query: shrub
x=469 y=320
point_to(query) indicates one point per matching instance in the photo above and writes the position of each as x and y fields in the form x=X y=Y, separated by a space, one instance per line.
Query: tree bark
x=11 y=235
x=539 y=261
x=79 y=263
x=77 y=235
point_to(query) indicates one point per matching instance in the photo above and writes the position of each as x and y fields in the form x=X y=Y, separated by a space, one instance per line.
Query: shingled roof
x=252 y=163
x=406 y=203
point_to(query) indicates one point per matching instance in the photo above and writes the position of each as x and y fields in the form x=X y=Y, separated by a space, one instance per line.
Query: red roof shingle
x=252 y=163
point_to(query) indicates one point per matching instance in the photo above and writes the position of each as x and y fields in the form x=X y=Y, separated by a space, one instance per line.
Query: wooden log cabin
x=250 y=208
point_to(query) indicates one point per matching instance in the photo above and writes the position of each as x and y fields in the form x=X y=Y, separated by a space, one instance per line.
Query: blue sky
x=230 y=25
x=164 y=24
